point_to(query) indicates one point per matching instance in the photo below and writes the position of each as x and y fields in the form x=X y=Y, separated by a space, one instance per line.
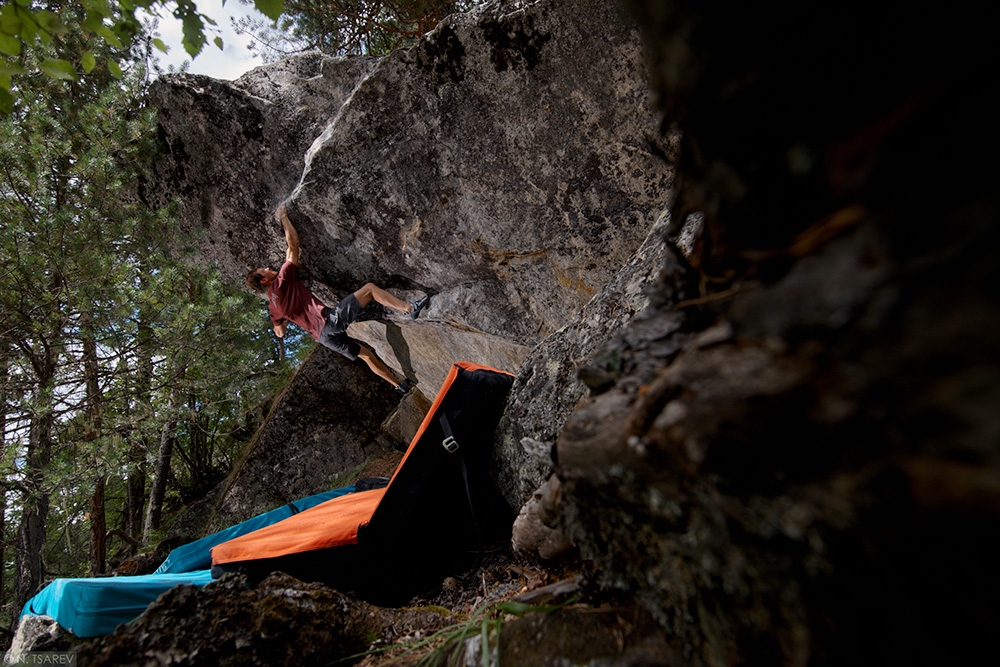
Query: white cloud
x=229 y=63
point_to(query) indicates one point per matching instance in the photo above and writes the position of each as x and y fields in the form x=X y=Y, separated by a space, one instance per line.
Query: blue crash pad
x=197 y=555
x=91 y=607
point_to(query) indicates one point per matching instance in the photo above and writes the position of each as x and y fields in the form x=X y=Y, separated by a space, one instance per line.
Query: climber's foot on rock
x=418 y=305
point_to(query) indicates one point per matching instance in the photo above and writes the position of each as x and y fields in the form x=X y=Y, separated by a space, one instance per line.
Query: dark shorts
x=334 y=334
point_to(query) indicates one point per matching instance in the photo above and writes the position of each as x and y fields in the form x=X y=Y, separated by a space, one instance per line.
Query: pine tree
x=347 y=27
x=97 y=38
x=111 y=345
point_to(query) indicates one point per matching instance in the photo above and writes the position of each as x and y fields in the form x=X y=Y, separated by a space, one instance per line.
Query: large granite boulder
x=231 y=152
x=322 y=429
x=38 y=635
x=426 y=350
x=509 y=164
x=547 y=388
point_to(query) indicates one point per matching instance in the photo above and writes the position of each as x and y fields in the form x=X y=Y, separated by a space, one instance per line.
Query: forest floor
x=480 y=597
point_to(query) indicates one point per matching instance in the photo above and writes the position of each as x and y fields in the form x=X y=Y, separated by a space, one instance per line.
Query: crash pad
x=197 y=555
x=435 y=508
x=95 y=606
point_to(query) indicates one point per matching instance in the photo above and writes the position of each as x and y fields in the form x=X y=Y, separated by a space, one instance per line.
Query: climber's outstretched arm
x=291 y=236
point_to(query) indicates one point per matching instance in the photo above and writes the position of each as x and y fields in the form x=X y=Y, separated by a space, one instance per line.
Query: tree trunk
x=4 y=375
x=159 y=486
x=98 y=518
x=135 y=496
x=3 y=545
x=28 y=566
x=90 y=374
x=135 y=486
x=98 y=529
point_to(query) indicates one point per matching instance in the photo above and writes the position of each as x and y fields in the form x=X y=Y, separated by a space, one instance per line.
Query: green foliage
x=79 y=30
x=83 y=258
x=348 y=27
x=272 y=9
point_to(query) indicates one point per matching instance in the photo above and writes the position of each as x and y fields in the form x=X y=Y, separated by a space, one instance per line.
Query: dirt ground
x=466 y=601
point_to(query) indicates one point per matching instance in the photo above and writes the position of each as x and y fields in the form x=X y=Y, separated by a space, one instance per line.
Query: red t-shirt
x=289 y=299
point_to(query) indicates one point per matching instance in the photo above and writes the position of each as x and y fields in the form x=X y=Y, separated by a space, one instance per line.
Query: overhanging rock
x=509 y=163
x=230 y=151
x=425 y=351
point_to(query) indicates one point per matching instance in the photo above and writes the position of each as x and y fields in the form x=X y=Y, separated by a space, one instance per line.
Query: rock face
x=509 y=164
x=322 y=429
x=801 y=464
x=427 y=350
x=547 y=389
x=232 y=152
x=37 y=634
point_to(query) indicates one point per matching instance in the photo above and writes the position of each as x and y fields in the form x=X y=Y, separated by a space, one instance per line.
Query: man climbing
x=290 y=300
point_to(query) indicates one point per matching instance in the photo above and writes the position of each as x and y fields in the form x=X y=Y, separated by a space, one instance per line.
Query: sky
x=231 y=62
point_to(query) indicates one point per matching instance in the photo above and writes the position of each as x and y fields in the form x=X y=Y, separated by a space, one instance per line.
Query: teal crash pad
x=91 y=607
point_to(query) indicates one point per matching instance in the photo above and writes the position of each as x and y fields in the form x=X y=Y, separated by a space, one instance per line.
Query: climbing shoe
x=418 y=305
x=403 y=387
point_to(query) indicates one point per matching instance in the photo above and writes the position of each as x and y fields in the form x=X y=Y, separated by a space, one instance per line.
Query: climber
x=290 y=300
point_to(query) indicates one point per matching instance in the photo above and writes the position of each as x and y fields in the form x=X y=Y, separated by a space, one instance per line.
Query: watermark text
x=62 y=658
